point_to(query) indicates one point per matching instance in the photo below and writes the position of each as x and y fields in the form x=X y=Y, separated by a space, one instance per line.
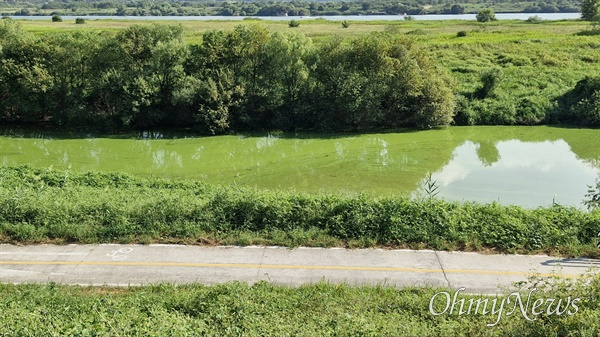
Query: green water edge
x=526 y=165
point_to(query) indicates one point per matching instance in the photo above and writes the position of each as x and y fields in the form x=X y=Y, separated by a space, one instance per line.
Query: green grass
x=39 y=205
x=263 y=309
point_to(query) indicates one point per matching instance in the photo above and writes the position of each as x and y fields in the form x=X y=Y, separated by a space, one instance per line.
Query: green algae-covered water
x=528 y=166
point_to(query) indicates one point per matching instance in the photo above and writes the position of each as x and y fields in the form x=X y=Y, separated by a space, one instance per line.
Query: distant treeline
x=244 y=79
x=146 y=76
x=282 y=8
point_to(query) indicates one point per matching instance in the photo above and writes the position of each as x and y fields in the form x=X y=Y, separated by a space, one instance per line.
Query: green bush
x=489 y=82
x=416 y=32
x=462 y=33
x=294 y=23
x=590 y=10
x=56 y=18
x=593 y=197
x=345 y=24
x=530 y=112
x=486 y=15
x=79 y=21
x=534 y=19
x=581 y=105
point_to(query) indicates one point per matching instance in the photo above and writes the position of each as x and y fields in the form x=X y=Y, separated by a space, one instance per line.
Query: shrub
x=80 y=21
x=457 y=9
x=486 y=15
x=294 y=24
x=345 y=24
x=56 y=18
x=530 y=112
x=534 y=19
x=416 y=32
x=590 y=10
x=462 y=33
x=489 y=82
x=593 y=196
x=581 y=105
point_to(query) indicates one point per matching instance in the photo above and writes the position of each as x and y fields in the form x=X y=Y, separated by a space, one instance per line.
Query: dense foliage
x=593 y=197
x=245 y=78
x=581 y=105
x=248 y=78
x=264 y=309
x=590 y=10
x=486 y=15
x=37 y=205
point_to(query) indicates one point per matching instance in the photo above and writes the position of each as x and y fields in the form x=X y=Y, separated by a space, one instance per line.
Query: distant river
x=500 y=16
x=527 y=166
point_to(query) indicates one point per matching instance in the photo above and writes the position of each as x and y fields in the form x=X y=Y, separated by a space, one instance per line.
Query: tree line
x=279 y=8
x=247 y=78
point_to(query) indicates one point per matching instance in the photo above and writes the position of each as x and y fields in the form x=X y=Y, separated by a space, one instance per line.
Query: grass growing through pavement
x=263 y=309
x=40 y=205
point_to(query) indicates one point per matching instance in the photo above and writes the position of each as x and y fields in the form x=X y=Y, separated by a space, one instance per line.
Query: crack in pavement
x=262 y=258
x=442 y=268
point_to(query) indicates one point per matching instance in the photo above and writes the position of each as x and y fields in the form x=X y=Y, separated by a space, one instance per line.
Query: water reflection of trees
x=487 y=152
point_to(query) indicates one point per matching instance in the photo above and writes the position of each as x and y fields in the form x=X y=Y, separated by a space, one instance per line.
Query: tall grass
x=40 y=205
x=263 y=309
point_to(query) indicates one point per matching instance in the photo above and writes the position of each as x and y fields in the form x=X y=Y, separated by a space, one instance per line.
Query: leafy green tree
x=590 y=10
x=379 y=81
x=67 y=60
x=232 y=65
x=457 y=9
x=218 y=98
x=137 y=75
x=24 y=79
x=486 y=15
x=290 y=59
x=56 y=18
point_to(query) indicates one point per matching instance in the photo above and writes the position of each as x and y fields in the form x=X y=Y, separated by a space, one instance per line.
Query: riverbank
x=41 y=205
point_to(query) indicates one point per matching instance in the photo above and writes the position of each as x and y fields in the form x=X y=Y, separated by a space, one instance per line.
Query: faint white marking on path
x=117 y=257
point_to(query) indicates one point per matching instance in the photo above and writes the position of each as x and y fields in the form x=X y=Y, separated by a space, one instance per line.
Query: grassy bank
x=39 y=205
x=267 y=310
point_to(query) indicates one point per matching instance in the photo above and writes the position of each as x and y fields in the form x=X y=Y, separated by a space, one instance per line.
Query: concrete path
x=143 y=264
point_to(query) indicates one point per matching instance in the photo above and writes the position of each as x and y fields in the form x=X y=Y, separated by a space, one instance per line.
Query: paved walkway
x=143 y=264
